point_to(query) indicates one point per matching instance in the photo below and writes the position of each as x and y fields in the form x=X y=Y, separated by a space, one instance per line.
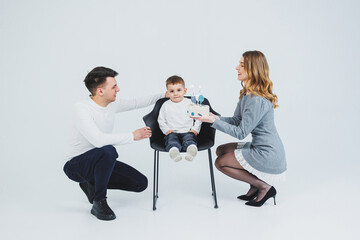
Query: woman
x=264 y=157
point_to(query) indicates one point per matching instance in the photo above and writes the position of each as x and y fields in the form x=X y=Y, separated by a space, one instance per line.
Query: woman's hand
x=210 y=119
x=216 y=116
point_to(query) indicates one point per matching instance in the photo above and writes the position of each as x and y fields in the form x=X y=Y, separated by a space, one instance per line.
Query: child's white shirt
x=173 y=116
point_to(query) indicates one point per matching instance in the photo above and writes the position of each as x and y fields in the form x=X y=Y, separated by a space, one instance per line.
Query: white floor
x=309 y=206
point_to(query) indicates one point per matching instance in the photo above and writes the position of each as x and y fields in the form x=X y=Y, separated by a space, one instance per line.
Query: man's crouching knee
x=142 y=184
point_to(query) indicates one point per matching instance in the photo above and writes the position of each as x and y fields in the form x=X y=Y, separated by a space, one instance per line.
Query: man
x=92 y=156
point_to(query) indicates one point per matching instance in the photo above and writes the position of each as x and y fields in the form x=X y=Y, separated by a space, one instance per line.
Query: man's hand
x=193 y=131
x=168 y=132
x=142 y=133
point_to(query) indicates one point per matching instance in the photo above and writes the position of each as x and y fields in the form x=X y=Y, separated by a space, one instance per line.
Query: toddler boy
x=180 y=130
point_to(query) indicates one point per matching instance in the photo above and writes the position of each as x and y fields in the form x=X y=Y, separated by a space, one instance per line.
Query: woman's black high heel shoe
x=270 y=194
x=250 y=197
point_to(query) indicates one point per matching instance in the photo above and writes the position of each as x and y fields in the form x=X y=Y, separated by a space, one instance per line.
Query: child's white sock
x=191 y=152
x=175 y=154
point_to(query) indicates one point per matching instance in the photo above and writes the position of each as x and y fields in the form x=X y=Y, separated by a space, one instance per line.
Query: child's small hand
x=168 y=132
x=193 y=131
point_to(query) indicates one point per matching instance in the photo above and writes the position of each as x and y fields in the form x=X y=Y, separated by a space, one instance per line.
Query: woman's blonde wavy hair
x=259 y=83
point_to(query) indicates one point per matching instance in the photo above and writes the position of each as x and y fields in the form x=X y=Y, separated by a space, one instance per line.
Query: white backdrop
x=48 y=47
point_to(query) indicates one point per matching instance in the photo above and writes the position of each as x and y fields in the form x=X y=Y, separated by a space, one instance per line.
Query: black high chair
x=206 y=139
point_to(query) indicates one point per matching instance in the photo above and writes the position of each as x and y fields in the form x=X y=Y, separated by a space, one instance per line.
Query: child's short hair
x=175 y=80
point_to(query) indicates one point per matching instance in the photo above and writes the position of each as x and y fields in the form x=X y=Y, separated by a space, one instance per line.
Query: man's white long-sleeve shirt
x=173 y=116
x=93 y=124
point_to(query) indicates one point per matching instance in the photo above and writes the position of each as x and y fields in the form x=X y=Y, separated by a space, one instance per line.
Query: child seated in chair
x=180 y=130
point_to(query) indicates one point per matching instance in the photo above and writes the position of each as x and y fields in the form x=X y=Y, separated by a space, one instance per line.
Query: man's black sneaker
x=102 y=211
x=89 y=190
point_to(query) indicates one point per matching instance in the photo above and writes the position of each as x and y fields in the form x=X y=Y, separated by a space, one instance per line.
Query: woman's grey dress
x=265 y=155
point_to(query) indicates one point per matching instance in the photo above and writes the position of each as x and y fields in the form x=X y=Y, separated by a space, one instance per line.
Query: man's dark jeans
x=99 y=167
x=180 y=140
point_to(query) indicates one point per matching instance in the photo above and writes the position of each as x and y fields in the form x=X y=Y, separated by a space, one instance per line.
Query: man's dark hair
x=97 y=77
